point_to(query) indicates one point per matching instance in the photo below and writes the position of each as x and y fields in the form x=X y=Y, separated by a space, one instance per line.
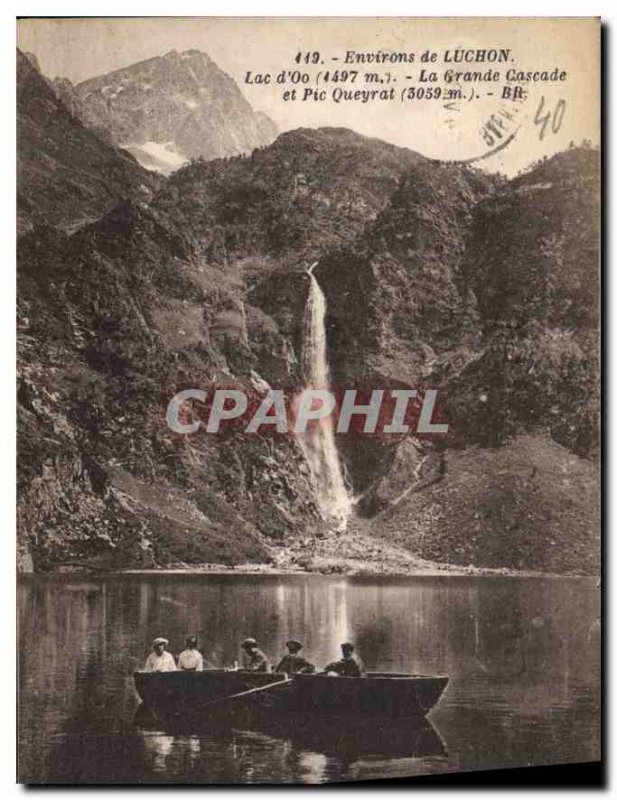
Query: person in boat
x=191 y=659
x=254 y=659
x=349 y=666
x=293 y=663
x=160 y=659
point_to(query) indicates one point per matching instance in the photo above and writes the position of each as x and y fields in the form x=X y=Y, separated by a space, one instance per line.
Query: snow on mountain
x=158 y=156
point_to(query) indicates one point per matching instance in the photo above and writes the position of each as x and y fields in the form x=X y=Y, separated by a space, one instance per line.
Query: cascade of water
x=318 y=442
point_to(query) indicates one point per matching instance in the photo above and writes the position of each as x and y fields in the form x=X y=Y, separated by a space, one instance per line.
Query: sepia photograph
x=308 y=398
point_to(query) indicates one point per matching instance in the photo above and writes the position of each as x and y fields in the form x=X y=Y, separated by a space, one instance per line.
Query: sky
x=82 y=48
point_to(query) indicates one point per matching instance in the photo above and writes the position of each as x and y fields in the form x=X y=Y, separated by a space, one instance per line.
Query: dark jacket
x=291 y=664
x=351 y=667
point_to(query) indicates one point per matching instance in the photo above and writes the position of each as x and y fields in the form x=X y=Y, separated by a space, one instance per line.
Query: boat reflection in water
x=347 y=737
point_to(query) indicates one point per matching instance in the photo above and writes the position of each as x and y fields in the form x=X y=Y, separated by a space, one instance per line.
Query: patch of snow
x=158 y=156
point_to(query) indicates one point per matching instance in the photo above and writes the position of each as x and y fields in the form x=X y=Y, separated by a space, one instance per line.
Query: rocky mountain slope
x=66 y=174
x=114 y=320
x=169 y=109
x=533 y=267
x=435 y=275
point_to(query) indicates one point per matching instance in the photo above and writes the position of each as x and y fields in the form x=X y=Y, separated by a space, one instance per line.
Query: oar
x=246 y=693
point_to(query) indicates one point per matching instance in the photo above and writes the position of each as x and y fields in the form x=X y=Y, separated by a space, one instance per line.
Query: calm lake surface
x=523 y=656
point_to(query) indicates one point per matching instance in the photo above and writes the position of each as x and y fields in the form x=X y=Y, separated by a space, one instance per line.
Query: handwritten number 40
x=555 y=117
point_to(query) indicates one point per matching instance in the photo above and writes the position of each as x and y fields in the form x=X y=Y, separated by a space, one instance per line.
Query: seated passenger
x=191 y=659
x=160 y=660
x=292 y=663
x=253 y=658
x=350 y=666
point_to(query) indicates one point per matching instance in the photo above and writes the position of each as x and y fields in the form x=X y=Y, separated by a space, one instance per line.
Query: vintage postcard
x=308 y=398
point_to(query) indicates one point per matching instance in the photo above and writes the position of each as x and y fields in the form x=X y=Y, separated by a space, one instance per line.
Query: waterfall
x=318 y=442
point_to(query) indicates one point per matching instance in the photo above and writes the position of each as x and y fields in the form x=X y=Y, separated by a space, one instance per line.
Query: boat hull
x=383 y=695
x=379 y=694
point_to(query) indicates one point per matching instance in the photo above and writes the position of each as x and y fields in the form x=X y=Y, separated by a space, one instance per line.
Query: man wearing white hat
x=160 y=660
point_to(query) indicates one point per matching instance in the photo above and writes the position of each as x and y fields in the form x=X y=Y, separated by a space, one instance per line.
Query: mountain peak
x=169 y=109
x=186 y=55
x=33 y=60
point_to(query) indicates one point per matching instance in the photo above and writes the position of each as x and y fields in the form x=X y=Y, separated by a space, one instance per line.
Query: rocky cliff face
x=435 y=275
x=309 y=192
x=103 y=348
x=532 y=264
x=66 y=174
x=159 y=296
x=504 y=302
x=169 y=109
x=477 y=287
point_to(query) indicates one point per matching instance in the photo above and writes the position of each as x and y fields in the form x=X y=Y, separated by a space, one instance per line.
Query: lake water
x=523 y=656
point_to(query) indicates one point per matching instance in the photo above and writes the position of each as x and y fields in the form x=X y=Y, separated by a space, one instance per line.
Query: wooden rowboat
x=379 y=694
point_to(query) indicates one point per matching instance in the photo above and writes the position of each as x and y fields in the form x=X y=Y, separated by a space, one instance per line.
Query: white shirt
x=163 y=663
x=191 y=659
